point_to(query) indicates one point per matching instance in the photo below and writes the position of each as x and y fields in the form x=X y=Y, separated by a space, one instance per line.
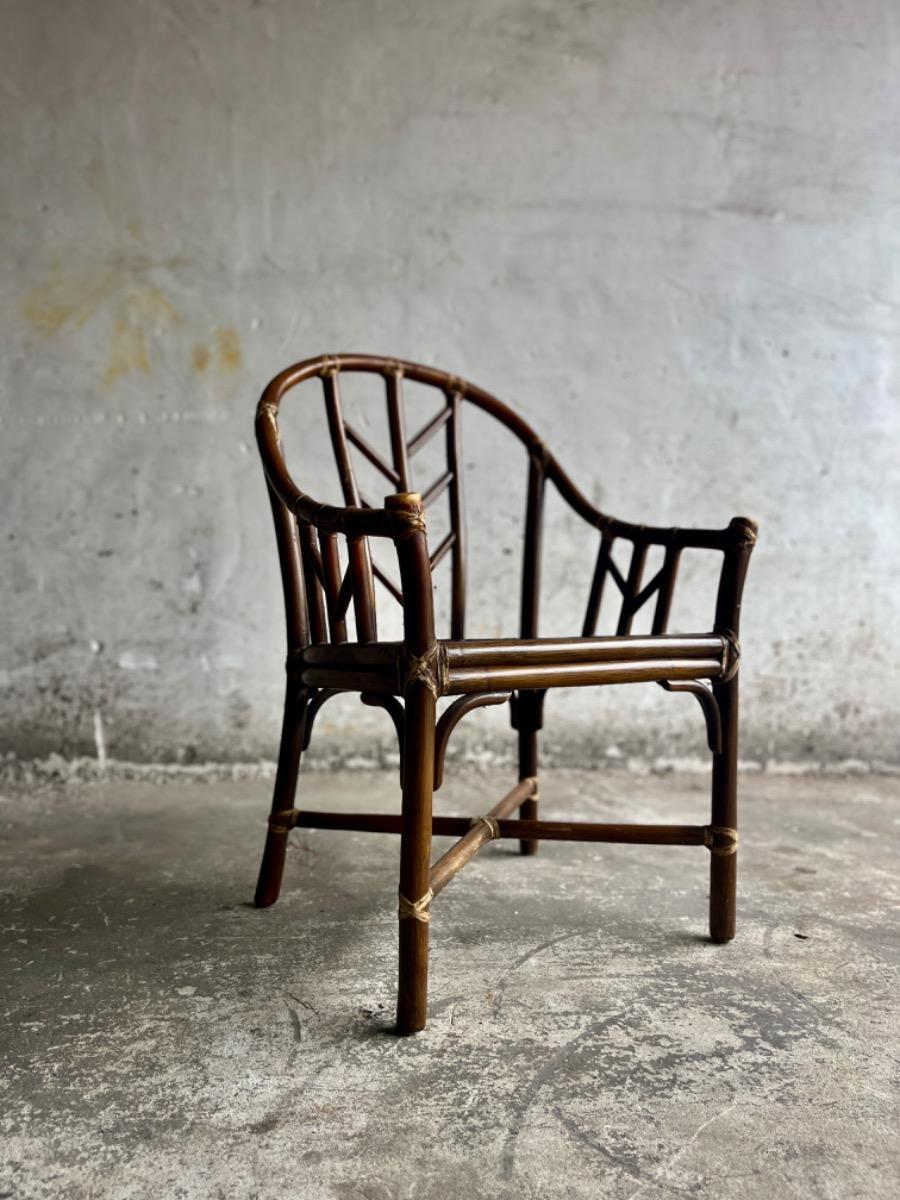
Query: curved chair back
x=318 y=592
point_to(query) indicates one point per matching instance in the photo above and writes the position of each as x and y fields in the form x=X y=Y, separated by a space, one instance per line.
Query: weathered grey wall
x=667 y=231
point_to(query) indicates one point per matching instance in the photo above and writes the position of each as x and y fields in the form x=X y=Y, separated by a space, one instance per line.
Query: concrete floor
x=167 y=1040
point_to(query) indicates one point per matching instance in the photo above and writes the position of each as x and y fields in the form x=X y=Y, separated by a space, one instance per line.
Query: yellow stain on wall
x=145 y=311
x=127 y=352
x=228 y=347
x=225 y=355
x=70 y=297
x=67 y=298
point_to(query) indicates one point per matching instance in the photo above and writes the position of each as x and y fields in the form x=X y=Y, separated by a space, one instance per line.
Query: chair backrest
x=318 y=593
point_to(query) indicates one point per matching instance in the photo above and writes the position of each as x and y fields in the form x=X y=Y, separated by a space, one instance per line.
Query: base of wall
x=56 y=770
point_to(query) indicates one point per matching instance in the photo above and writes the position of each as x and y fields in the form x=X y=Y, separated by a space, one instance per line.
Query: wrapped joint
x=429 y=668
x=720 y=840
x=407 y=514
x=409 y=910
x=491 y=824
x=414 y=523
x=731 y=657
x=283 y=821
x=453 y=386
x=534 y=794
x=745 y=531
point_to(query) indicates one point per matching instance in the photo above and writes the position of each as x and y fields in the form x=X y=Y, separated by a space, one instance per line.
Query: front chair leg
x=293 y=728
x=724 y=840
x=414 y=911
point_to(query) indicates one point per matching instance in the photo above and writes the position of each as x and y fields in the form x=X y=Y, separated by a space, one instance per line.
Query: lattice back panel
x=330 y=589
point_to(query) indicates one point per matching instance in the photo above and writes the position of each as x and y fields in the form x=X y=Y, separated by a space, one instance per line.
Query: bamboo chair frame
x=321 y=662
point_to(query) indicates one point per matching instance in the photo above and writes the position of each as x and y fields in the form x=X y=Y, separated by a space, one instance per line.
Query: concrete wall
x=666 y=231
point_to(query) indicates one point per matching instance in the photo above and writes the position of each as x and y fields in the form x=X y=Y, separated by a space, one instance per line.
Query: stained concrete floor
x=166 y=1040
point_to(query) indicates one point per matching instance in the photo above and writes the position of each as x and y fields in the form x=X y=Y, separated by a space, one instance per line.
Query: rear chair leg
x=415 y=860
x=723 y=855
x=528 y=719
x=292 y=735
x=528 y=765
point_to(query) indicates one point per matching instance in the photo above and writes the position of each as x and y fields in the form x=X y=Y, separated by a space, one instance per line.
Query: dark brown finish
x=483 y=830
x=325 y=658
x=549 y=831
x=451 y=718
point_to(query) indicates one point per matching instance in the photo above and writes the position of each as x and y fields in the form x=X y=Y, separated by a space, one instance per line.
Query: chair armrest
x=353 y=522
x=682 y=536
x=735 y=542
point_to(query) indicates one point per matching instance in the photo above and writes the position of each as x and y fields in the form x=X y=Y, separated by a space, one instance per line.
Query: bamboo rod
x=478 y=835
x=374 y=668
x=583 y=831
x=598 y=583
x=630 y=592
x=522 y=651
x=332 y=578
x=397 y=425
x=437 y=489
x=461 y=681
x=428 y=430
x=443 y=549
x=368 y=451
x=550 y=831
x=457 y=517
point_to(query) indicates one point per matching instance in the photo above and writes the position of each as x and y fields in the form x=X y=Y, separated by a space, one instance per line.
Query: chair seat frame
x=421 y=669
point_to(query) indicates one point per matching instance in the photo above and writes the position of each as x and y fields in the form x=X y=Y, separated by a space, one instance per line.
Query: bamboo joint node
x=720 y=840
x=417 y=910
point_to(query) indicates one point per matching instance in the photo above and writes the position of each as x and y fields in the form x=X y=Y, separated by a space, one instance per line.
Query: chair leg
x=528 y=719
x=415 y=861
x=292 y=734
x=528 y=767
x=723 y=862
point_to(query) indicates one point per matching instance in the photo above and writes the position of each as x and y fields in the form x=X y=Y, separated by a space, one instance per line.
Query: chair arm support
x=407 y=516
x=735 y=542
x=741 y=538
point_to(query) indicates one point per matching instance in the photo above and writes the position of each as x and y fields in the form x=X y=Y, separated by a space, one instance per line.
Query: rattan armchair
x=420 y=668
